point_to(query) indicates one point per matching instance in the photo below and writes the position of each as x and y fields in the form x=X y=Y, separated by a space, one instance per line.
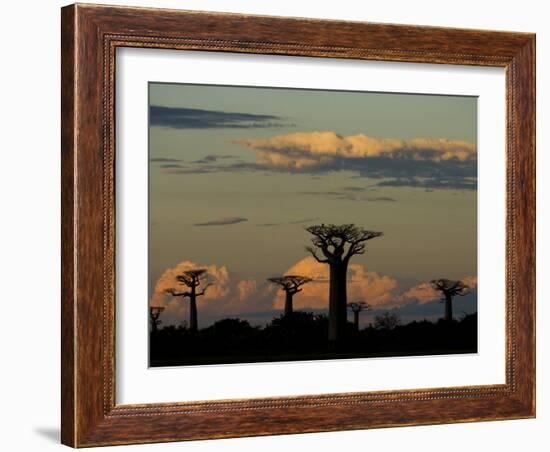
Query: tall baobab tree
x=357 y=307
x=450 y=289
x=337 y=244
x=154 y=314
x=291 y=284
x=191 y=279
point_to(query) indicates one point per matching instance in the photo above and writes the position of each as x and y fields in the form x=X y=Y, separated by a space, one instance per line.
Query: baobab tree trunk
x=448 y=308
x=193 y=314
x=337 y=316
x=288 y=303
x=356 y=320
x=193 y=310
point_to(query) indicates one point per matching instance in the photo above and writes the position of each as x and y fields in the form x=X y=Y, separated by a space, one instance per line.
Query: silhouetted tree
x=230 y=329
x=300 y=332
x=337 y=245
x=291 y=284
x=357 y=307
x=449 y=289
x=154 y=314
x=387 y=321
x=191 y=279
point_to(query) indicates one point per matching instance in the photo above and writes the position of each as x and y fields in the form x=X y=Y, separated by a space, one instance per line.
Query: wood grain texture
x=67 y=224
x=90 y=36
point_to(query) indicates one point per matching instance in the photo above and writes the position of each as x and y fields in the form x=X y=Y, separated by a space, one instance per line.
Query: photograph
x=291 y=224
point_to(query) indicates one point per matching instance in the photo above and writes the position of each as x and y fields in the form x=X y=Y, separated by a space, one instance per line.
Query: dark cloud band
x=223 y=221
x=194 y=118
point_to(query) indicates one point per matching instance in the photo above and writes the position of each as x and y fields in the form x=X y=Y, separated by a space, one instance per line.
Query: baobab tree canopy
x=450 y=287
x=192 y=278
x=290 y=283
x=358 y=306
x=338 y=242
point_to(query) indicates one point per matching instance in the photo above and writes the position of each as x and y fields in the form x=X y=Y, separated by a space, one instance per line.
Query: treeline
x=303 y=335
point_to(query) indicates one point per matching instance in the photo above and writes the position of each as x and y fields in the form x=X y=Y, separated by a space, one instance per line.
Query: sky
x=237 y=173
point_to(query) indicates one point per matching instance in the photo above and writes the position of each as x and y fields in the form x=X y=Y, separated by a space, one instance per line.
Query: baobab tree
x=154 y=314
x=357 y=307
x=449 y=289
x=191 y=279
x=337 y=244
x=291 y=284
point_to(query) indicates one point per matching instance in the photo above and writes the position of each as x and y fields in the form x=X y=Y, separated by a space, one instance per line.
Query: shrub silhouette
x=387 y=321
x=299 y=330
x=230 y=328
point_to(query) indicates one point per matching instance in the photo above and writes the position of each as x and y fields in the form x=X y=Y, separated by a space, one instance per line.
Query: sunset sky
x=236 y=173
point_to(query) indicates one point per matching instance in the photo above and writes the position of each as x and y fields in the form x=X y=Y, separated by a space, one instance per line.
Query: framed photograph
x=281 y=225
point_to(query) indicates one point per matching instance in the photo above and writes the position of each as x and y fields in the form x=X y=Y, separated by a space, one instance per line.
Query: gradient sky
x=236 y=173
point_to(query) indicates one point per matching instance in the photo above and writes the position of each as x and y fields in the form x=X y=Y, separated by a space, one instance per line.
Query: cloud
x=268 y=225
x=164 y=160
x=468 y=183
x=394 y=173
x=218 y=276
x=194 y=118
x=424 y=292
x=426 y=163
x=354 y=188
x=212 y=158
x=306 y=220
x=322 y=193
x=419 y=162
x=246 y=288
x=316 y=145
x=470 y=281
x=223 y=221
x=198 y=170
x=378 y=199
x=226 y=297
x=171 y=165
x=349 y=195
x=380 y=291
x=377 y=290
x=259 y=301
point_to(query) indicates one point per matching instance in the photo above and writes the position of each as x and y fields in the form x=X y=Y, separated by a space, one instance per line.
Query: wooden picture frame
x=90 y=36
